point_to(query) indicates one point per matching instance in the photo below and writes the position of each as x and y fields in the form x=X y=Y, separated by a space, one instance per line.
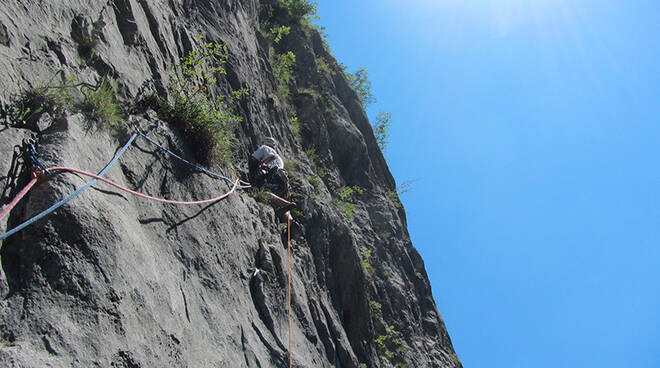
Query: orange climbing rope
x=288 y=234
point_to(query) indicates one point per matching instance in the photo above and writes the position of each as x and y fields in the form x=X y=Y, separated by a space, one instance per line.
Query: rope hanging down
x=71 y=196
x=288 y=247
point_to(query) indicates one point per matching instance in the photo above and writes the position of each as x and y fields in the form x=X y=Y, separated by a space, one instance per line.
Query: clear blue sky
x=534 y=127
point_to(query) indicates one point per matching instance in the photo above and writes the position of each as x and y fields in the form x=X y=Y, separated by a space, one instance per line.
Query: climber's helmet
x=270 y=142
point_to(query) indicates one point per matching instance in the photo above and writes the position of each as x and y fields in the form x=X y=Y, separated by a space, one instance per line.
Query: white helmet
x=271 y=142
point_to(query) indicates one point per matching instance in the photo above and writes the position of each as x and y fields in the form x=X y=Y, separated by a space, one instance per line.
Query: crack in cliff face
x=128 y=27
x=113 y=280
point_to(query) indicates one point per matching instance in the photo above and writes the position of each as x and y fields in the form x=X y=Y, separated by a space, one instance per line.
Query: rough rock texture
x=111 y=280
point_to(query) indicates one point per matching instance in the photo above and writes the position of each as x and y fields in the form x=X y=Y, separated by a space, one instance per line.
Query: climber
x=267 y=170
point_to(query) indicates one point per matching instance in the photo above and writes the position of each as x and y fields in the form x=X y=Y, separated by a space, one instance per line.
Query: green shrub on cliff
x=390 y=348
x=360 y=82
x=299 y=9
x=202 y=116
x=323 y=66
x=283 y=72
x=345 y=201
x=102 y=104
x=98 y=102
x=381 y=129
x=277 y=33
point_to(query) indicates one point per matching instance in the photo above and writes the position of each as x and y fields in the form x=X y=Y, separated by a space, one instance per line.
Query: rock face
x=112 y=280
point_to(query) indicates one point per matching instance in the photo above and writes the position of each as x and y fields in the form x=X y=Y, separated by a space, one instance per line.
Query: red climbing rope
x=81 y=172
x=18 y=197
x=288 y=232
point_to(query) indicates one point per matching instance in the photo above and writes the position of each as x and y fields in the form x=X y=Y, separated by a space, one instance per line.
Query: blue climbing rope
x=210 y=173
x=65 y=200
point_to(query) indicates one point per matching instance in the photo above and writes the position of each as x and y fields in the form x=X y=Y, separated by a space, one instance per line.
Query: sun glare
x=502 y=17
x=507 y=16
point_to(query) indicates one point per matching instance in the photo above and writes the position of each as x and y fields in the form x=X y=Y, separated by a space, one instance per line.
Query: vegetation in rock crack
x=88 y=36
x=101 y=103
x=345 y=201
x=312 y=155
x=381 y=128
x=306 y=13
x=323 y=66
x=365 y=254
x=203 y=116
x=283 y=73
x=316 y=183
x=290 y=166
x=27 y=109
x=308 y=91
x=347 y=193
x=298 y=213
x=375 y=308
x=296 y=126
x=390 y=349
x=360 y=82
x=260 y=194
x=278 y=32
x=299 y=9
x=321 y=172
x=455 y=357
x=383 y=234
x=400 y=190
x=98 y=102
x=347 y=208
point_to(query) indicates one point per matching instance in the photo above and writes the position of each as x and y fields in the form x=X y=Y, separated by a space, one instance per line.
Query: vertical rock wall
x=109 y=279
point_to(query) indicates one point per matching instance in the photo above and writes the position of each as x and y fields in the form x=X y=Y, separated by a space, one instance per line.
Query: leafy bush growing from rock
x=299 y=9
x=283 y=72
x=360 y=82
x=323 y=66
x=381 y=128
x=312 y=155
x=345 y=201
x=390 y=348
x=203 y=117
x=277 y=33
x=365 y=254
x=296 y=126
x=401 y=189
x=375 y=308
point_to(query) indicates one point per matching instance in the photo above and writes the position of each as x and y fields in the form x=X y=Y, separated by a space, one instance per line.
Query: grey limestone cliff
x=112 y=280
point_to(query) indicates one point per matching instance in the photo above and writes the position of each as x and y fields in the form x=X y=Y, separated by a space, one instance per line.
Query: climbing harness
x=39 y=170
